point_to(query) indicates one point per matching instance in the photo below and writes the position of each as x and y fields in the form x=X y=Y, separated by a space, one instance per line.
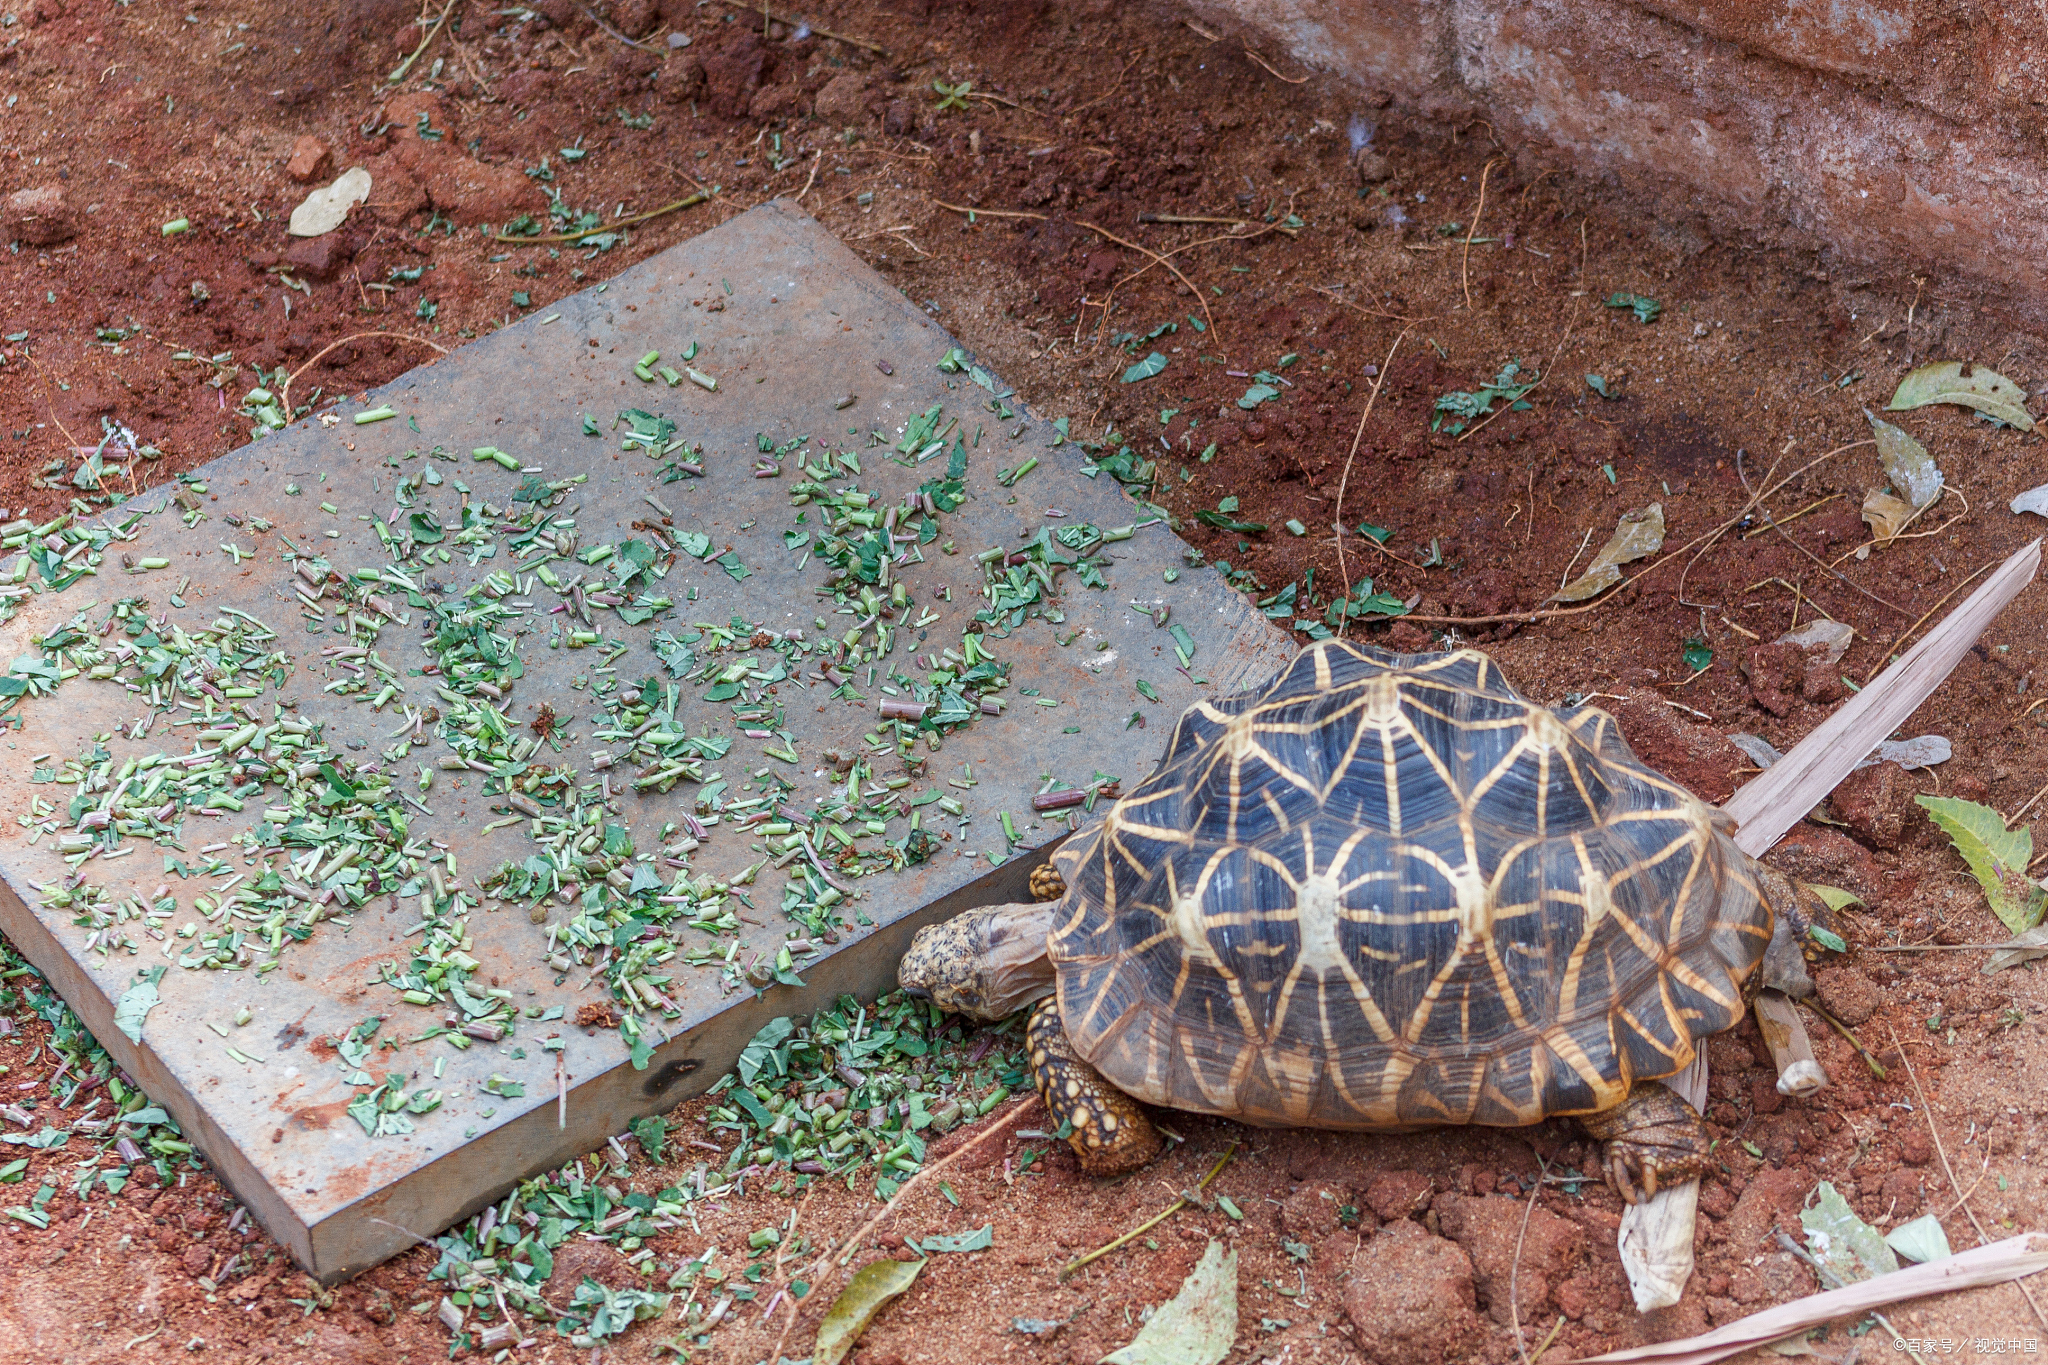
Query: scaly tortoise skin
x=1379 y=893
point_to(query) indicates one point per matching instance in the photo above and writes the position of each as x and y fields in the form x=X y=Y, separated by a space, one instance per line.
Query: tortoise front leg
x=1110 y=1134
x=1654 y=1140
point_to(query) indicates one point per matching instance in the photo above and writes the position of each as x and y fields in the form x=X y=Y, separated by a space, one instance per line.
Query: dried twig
x=1226 y=222
x=1465 y=259
x=1877 y=1068
x=1110 y=297
x=1161 y=260
x=1171 y=1209
x=2026 y=1254
x=762 y=10
x=1702 y=542
x=1923 y=620
x=1291 y=80
x=1941 y=1150
x=1555 y=352
x=827 y=1263
x=701 y=196
x=1826 y=567
x=1114 y=85
x=1833 y=1281
x=1100 y=232
x=1379 y=382
x=629 y=42
x=284 y=392
x=812 y=178
x=1515 y=1266
x=398 y=75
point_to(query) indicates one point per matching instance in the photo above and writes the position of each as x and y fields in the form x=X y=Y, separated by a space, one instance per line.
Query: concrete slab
x=123 y=871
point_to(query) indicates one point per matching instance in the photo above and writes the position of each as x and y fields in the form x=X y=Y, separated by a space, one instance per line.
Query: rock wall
x=1906 y=134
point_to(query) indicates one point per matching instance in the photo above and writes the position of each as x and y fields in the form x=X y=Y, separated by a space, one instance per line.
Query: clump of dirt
x=1319 y=326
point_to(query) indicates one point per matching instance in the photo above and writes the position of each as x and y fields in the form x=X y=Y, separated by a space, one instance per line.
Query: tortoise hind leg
x=1654 y=1140
x=1110 y=1134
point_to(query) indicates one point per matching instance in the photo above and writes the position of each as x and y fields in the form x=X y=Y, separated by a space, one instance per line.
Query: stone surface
x=308 y=161
x=809 y=321
x=1877 y=804
x=844 y=99
x=37 y=216
x=1411 y=1297
x=1490 y=1228
x=1397 y=1194
x=320 y=256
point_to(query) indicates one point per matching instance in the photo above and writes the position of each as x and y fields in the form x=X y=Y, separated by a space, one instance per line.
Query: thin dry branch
x=2010 y=1259
x=284 y=392
x=827 y=1264
x=1941 y=1150
x=1771 y=804
x=1378 y=382
x=1099 y=231
x=1291 y=80
x=762 y=10
x=1702 y=542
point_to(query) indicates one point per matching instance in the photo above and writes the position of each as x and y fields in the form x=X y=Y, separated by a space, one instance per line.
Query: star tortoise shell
x=1387 y=891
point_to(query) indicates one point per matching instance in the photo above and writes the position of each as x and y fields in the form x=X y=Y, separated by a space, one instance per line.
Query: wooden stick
x=1774 y=802
x=1656 y=1237
x=2011 y=1259
x=1799 y=1074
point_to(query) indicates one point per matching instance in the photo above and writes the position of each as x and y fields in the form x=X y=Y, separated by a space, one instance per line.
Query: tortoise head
x=985 y=963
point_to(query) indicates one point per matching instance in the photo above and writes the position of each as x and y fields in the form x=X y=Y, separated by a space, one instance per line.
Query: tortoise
x=1383 y=892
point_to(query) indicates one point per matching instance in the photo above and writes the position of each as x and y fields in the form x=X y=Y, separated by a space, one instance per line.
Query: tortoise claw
x=1654 y=1140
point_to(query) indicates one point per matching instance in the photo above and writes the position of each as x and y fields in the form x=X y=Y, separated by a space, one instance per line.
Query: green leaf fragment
x=872 y=1289
x=1146 y=368
x=978 y=1240
x=1972 y=386
x=1645 y=308
x=1197 y=1325
x=1997 y=857
x=1840 y=1240
x=136 y=1002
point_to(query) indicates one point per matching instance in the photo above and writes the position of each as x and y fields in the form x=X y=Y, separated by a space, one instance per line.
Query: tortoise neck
x=1011 y=945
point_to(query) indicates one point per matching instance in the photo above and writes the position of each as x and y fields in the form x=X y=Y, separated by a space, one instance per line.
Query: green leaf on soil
x=1381 y=534
x=1921 y=1240
x=1997 y=856
x=1840 y=1240
x=1698 y=654
x=1834 y=896
x=1646 y=308
x=1146 y=368
x=1464 y=407
x=870 y=1290
x=978 y=1240
x=1636 y=535
x=1906 y=462
x=1194 y=1327
x=1972 y=386
x=1598 y=384
x=1257 y=394
x=136 y=1002
x=1828 y=939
